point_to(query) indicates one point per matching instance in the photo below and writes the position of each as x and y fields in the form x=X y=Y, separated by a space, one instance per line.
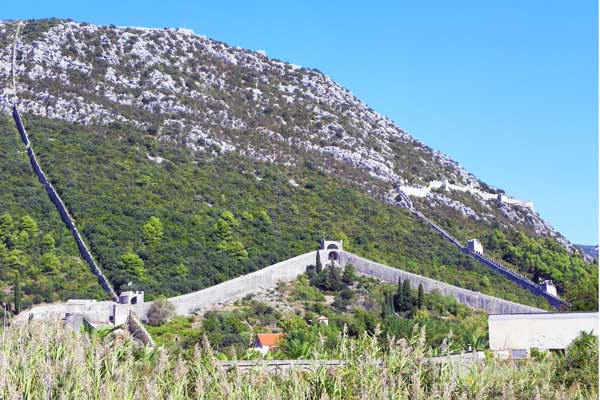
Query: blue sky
x=508 y=88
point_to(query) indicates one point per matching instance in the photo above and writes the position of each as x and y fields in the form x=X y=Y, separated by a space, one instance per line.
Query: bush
x=580 y=364
x=160 y=312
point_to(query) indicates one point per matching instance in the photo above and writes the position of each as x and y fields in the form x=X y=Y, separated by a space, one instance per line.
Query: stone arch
x=332 y=249
x=134 y=300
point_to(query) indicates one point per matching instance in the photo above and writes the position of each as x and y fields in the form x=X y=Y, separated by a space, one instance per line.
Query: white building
x=515 y=335
x=474 y=246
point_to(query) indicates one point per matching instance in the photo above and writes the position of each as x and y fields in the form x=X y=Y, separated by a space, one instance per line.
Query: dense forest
x=186 y=221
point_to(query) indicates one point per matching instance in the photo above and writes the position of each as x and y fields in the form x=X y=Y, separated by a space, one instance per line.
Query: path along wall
x=477 y=300
x=62 y=209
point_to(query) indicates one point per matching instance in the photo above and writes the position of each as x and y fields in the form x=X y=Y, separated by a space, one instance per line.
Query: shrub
x=160 y=312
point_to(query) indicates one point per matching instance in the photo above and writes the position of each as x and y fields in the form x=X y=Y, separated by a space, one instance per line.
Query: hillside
x=186 y=162
x=351 y=302
x=589 y=250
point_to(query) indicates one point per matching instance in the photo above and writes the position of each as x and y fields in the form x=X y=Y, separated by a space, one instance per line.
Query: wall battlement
x=495 y=265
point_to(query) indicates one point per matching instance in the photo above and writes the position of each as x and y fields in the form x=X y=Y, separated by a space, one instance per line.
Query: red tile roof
x=269 y=339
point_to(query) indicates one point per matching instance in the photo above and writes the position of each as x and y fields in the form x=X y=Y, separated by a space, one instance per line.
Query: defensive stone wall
x=423 y=191
x=520 y=280
x=237 y=288
x=290 y=269
x=495 y=265
x=464 y=296
x=138 y=331
x=62 y=209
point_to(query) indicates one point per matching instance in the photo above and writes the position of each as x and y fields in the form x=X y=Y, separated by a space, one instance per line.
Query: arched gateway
x=332 y=249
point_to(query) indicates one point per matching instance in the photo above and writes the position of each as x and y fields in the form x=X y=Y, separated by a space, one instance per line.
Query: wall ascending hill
x=62 y=209
x=478 y=300
x=290 y=269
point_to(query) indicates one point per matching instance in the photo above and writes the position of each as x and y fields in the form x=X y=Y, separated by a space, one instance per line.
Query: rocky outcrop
x=215 y=98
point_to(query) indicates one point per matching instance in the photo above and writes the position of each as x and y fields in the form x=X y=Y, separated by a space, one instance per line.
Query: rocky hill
x=141 y=118
x=589 y=250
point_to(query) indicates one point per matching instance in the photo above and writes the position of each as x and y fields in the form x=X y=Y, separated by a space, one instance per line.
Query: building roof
x=544 y=315
x=269 y=339
x=322 y=318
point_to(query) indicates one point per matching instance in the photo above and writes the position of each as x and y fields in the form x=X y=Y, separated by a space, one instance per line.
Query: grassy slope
x=112 y=189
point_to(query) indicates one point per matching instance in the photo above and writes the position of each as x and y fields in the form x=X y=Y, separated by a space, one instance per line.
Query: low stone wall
x=472 y=299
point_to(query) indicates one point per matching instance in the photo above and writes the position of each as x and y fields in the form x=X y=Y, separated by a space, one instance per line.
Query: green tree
x=318 y=265
x=349 y=275
x=6 y=225
x=18 y=296
x=399 y=297
x=387 y=307
x=580 y=364
x=223 y=230
x=583 y=295
x=29 y=225
x=132 y=263
x=48 y=242
x=407 y=296
x=420 y=296
x=152 y=232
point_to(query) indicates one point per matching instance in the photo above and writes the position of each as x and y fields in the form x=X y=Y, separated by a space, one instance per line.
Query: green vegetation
x=39 y=260
x=580 y=365
x=353 y=306
x=37 y=268
x=193 y=221
x=45 y=361
x=533 y=255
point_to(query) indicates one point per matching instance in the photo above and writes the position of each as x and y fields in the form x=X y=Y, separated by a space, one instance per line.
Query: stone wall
x=495 y=265
x=519 y=279
x=290 y=269
x=138 y=331
x=62 y=209
x=464 y=296
x=237 y=288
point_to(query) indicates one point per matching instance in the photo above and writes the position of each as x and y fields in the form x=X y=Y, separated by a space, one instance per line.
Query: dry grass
x=45 y=361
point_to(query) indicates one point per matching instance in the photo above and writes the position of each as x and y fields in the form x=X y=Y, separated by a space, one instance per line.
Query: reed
x=46 y=361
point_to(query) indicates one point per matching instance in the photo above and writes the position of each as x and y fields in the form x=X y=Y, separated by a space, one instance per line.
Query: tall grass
x=46 y=361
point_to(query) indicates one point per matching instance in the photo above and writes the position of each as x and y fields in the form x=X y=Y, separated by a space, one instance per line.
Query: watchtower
x=332 y=249
x=474 y=246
